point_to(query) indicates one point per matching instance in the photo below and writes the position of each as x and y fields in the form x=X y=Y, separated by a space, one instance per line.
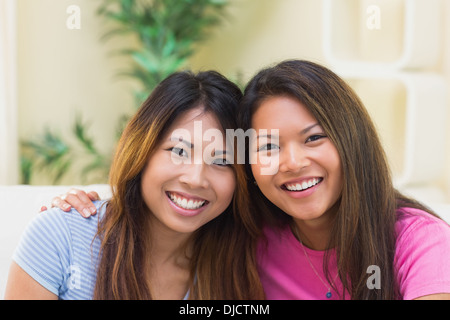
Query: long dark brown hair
x=222 y=265
x=363 y=233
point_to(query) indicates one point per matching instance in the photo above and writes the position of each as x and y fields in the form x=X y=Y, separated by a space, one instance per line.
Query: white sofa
x=19 y=204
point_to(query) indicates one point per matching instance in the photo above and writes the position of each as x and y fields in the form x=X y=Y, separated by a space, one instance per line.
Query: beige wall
x=259 y=33
x=444 y=68
x=63 y=70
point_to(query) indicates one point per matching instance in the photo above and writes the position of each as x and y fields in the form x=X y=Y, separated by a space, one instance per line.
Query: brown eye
x=179 y=152
x=221 y=162
x=315 y=137
x=268 y=147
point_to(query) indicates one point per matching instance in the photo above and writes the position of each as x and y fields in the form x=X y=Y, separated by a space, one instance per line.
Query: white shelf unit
x=417 y=51
x=420 y=43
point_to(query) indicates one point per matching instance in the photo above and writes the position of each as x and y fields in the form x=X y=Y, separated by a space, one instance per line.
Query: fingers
x=79 y=200
x=93 y=195
x=60 y=203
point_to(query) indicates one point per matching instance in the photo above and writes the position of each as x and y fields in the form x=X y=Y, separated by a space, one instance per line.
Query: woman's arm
x=439 y=296
x=21 y=286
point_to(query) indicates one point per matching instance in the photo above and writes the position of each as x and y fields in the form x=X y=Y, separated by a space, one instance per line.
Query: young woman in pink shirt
x=333 y=226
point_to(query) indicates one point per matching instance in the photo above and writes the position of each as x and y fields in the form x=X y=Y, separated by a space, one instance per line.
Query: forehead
x=280 y=112
x=197 y=115
x=198 y=128
x=196 y=120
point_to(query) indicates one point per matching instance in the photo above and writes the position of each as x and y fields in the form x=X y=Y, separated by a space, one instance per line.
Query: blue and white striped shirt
x=61 y=252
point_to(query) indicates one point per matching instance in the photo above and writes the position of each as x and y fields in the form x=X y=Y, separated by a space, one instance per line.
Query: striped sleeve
x=44 y=251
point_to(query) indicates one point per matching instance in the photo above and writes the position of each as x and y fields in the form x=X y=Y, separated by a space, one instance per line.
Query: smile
x=302 y=185
x=186 y=203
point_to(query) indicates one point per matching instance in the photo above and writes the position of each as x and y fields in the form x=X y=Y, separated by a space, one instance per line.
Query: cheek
x=155 y=174
x=334 y=161
x=261 y=174
x=335 y=171
x=149 y=188
x=263 y=181
x=224 y=186
x=256 y=171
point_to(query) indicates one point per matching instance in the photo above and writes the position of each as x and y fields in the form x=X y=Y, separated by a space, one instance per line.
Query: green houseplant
x=167 y=31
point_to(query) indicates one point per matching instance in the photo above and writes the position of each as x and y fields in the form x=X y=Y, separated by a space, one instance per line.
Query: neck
x=168 y=246
x=314 y=234
x=168 y=261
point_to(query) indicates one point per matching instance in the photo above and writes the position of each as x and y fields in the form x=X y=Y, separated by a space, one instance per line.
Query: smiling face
x=184 y=195
x=309 y=179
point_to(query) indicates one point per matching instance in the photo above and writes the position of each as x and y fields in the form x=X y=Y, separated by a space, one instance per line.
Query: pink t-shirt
x=422 y=261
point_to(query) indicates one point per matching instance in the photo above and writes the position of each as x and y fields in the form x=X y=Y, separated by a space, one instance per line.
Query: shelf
x=410 y=41
x=417 y=112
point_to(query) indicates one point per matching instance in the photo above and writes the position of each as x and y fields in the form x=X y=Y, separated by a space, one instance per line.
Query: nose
x=195 y=176
x=293 y=158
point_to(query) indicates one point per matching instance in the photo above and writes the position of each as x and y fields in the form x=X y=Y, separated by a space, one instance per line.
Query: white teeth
x=302 y=186
x=185 y=203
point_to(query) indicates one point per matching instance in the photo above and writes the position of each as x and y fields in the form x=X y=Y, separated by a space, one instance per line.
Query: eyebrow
x=180 y=139
x=304 y=131
x=265 y=136
x=221 y=152
x=309 y=128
